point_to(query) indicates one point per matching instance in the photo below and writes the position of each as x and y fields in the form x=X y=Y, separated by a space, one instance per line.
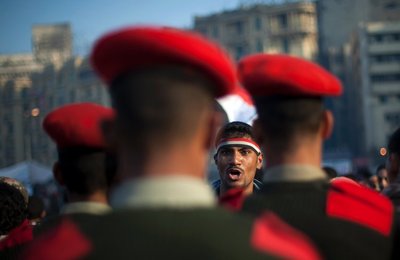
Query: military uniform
x=303 y=197
x=76 y=127
x=344 y=220
x=180 y=221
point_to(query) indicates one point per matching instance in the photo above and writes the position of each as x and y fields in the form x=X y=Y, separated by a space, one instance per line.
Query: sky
x=89 y=19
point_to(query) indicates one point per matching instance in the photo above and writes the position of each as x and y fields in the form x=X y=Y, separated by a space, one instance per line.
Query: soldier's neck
x=302 y=155
x=98 y=196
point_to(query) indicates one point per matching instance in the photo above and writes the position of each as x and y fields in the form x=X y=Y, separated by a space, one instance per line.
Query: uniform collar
x=176 y=191
x=294 y=173
x=95 y=208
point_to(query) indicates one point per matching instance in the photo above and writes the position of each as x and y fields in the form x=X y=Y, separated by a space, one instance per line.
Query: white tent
x=28 y=173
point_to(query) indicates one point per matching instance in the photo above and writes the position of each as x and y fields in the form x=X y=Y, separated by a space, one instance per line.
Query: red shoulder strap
x=65 y=242
x=19 y=235
x=361 y=205
x=272 y=235
x=232 y=199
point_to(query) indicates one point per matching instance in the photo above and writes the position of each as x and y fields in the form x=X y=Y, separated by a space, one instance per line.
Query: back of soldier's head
x=84 y=170
x=288 y=94
x=159 y=106
x=283 y=118
x=394 y=143
x=162 y=81
x=83 y=155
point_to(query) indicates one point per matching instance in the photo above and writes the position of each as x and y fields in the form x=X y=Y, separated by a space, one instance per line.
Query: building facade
x=15 y=77
x=336 y=29
x=31 y=85
x=52 y=43
x=55 y=86
x=264 y=28
x=374 y=53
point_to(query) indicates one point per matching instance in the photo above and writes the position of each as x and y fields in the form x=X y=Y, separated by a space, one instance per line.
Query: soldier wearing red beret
x=163 y=82
x=83 y=166
x=345 y=221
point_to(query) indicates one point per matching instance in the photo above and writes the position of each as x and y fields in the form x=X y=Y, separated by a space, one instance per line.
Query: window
x=385 y=78
x=215 y=32
x=285 y=45
x=203 y=31
x=393 y=119
x=383 y=99
x=239 y=27
x=259 y=46
x=385 y=58
x=258 y=23
x=387 y=38
x=239 y=52
x=282 y=19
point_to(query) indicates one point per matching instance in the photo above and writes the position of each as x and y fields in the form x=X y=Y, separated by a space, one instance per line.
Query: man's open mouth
x=234 y=174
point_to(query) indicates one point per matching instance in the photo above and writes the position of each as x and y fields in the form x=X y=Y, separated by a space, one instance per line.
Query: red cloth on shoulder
x=271 y=234
x=349 y=201
x=19 y=235
x=232 y=199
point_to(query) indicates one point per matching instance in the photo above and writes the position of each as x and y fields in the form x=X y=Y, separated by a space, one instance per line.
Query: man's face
x=237 y=166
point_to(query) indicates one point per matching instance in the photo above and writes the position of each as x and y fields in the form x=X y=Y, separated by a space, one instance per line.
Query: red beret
x=272 y=74
x=77 y=125
x=138 y=47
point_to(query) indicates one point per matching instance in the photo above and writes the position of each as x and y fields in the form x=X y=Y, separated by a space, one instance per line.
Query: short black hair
x=13 y=208
x=235 y=129
x=285 y=117
x=160 y=105
x=380 y=167
x=330 y=172
x=85 y=170
x=35 y=207
x=394 y=142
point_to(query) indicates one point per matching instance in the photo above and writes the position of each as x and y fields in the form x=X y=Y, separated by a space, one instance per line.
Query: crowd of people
x=135 y=173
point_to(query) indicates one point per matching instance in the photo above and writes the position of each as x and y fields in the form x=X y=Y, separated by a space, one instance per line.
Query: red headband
x=239 y=141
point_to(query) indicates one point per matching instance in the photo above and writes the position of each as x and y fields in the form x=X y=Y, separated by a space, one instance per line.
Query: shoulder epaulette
x=272 y=235
x=355 y=203
x=62 y=242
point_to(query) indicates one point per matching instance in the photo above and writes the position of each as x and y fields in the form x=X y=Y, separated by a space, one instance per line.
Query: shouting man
x=238 y=157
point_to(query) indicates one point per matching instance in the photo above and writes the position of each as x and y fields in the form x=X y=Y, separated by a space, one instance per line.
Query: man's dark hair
x=158 y=106
x=85 y=170
x=285 y=117
x=364 y=172
x=235 y=129
x=380 y=167
x=35 y=207
x=13 y=209
x=330 y=172
x=394 y=142
x=352 y=176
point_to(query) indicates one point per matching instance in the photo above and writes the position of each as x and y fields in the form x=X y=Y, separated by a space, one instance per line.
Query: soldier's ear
x=327 y=124
x=109 y=133
x=216 y=158
x=257 y=132
x=213 y=123
x=57 y=173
